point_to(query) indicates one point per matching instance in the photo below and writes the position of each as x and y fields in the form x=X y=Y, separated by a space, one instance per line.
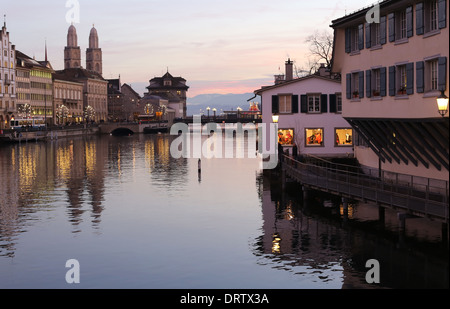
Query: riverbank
x=53 y=134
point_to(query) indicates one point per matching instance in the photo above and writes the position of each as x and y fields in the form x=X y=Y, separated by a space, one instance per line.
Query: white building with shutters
x=392 y=73
x=309 y=110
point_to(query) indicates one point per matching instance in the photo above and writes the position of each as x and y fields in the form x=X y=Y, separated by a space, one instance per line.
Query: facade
x=309 y=110
x=67 y=100
x=124 y=103
x=95 y=92
x=34 y=88
x=114 y=100
x=132 y=102
x=7 y=79
x=172 y=89
x=393 y=71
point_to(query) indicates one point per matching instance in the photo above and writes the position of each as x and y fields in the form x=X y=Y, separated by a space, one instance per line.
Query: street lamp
x=442 y=102
x=275 y=118
x=214 y=111
x=208 y=108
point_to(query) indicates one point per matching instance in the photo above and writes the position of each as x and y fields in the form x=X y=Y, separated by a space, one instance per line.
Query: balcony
x=10 y=110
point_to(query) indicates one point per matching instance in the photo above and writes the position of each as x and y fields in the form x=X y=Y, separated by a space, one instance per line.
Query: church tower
x=72 y=52
x=94 y=53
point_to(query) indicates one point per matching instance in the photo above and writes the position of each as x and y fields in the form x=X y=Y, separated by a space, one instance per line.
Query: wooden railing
x=420 y=196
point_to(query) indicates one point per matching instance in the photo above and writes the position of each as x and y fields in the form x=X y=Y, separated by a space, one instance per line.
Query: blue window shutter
x=295 y=104
x=361 y=84
x=420 y=85
x=333 y=103
x=442 y=73
x=368 y=83
x=419 y=18
x=275 y=104
x=324 y=103
x=361 y=36
x=347 y=40
x=368 y=38
x=392 y=81
x=410 y=78
x=442 y=12
x=409 y=22
x=383 y=30
x=304 y=103
x=383 y=81
x=391 y=21
x=348 y=84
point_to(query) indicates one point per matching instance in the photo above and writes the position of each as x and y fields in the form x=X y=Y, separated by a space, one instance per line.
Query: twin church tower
x=72 y=52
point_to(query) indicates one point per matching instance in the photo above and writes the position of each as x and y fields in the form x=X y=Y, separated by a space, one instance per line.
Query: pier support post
x=283 y=179
x=345 y=207
x=381 y=214
x=445 y=234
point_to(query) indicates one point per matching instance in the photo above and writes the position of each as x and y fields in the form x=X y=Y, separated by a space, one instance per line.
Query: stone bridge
x=120 y=128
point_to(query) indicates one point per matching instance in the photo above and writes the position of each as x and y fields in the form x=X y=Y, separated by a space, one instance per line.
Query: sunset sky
x=231 y=46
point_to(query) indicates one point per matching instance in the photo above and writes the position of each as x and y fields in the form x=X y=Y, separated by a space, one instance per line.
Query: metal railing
x=417 y=195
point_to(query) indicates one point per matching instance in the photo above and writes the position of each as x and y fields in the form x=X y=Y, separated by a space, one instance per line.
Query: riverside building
x=7 y=79
x=393 y=71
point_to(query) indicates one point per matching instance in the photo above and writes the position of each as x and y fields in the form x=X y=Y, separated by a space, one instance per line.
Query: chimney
x=289 y=70
x=324 y=71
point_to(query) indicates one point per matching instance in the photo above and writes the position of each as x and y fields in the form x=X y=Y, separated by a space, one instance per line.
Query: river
x=132 y=216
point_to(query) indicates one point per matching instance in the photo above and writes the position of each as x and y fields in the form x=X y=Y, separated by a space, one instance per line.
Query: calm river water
x=134 y=217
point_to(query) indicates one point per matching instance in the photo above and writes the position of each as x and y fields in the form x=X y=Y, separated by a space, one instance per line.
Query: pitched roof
x=176 y=82
x=76 y=74
x=296 y=80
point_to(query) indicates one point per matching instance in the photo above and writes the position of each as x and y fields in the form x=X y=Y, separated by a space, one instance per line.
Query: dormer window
x=167 y=83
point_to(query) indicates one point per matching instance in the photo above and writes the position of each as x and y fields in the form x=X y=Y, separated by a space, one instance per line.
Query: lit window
x=401 y=82
x=314 y=137
x=344 y=137
x=286 y=136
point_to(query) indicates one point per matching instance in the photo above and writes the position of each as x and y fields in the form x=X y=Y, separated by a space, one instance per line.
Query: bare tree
x=321 y=49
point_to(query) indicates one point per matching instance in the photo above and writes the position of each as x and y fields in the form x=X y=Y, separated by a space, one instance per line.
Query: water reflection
x=71 y=173
x=124 y=203
x=314 y=238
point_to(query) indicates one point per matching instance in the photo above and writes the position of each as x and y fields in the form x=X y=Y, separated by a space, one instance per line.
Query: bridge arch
x=122 y=132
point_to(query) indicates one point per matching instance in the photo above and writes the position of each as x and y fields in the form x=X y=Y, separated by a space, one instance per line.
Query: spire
x=93 y=38
x=46 y=59
x=72 y=38
x=4 y=20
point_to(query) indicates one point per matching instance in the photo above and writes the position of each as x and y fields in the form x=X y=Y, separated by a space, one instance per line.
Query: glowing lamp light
x=275 y=118
x=442 y=102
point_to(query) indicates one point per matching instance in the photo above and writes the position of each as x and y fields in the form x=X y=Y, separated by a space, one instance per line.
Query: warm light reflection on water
x=135 y=217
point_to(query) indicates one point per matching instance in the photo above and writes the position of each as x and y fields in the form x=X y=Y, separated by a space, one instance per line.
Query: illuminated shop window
x=344 y=137
x=286 y=136
x=314 y=137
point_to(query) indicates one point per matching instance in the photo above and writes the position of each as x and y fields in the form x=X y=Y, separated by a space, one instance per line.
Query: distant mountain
x=221 y=102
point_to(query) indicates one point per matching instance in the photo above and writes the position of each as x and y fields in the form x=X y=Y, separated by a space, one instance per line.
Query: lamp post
x=208 y=108
x=214 y=111
x=442 y=102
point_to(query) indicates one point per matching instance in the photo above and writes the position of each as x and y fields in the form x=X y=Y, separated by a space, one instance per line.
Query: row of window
x=314 y=137
x=67 y=94
x=430 y=75
x=397 y=26
x=313 y=103
x=38 y=73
